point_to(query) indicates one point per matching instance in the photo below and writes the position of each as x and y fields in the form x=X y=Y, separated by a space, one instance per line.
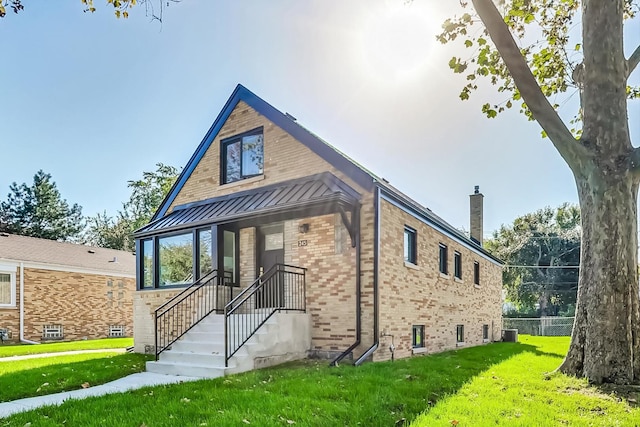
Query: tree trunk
x=605 y=344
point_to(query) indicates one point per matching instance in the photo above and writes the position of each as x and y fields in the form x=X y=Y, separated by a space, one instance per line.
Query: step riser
x=192 y=358
x=185 y=370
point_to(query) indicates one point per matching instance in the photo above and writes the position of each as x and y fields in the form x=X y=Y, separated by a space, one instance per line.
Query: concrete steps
x=200 y=352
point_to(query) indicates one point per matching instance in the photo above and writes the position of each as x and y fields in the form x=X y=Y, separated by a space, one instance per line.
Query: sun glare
x=395 y=40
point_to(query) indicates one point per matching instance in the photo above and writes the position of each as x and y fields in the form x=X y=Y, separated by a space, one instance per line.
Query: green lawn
x=40 y=376
x=497 y=384
x=7 y=350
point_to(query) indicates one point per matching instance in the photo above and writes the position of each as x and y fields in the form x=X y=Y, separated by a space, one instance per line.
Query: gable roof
x=358 y=173
x=64 y=255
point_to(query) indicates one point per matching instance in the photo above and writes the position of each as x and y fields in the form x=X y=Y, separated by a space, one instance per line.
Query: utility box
x=510 y=335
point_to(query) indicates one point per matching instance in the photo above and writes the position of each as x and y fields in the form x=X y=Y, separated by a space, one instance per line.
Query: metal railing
x=281 y=288
x=182 y=312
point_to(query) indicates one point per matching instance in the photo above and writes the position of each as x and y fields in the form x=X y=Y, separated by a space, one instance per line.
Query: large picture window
x=176 y=259
x=242 y=156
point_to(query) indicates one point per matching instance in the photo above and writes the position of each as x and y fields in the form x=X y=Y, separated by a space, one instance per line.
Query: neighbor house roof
x=62 y=255
x=358 y=173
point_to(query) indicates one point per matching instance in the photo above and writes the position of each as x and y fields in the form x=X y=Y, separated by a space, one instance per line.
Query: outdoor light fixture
x=303 y=228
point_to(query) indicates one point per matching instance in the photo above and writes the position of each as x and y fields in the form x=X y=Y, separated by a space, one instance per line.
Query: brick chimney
x=475 y=200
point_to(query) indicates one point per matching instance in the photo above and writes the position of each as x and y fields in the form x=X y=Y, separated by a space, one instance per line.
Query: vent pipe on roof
x=475 y=215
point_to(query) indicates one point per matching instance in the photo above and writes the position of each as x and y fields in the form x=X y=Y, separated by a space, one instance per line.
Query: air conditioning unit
x=510 y=335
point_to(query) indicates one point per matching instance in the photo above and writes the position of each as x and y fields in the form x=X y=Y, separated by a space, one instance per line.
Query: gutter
x=358 y=298
x=376 y=251
x=22 y=338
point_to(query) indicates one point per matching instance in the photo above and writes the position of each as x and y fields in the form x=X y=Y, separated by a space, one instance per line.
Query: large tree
x=542 y=252
x=39 y=211
x=146 y=195
x=536 y=54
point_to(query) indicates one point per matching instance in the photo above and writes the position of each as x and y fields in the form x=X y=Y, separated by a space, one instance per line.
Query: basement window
x=459 y=334
x=485 y=333
x=242 y=156
x=117 y=331
x=417 y=340
x=52 y=332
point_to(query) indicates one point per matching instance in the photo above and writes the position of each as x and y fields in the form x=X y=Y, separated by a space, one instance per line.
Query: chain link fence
x=546 y=326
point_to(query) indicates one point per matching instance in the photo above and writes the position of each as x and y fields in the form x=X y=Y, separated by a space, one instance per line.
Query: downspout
x=376 y=249
x=22 y=339
x=358 y=292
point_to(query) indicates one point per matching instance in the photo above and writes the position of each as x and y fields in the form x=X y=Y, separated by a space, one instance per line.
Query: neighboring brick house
x=380 y=269
x=63 y=291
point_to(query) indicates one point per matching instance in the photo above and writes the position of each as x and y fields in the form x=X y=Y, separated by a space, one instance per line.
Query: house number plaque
x=302 y=243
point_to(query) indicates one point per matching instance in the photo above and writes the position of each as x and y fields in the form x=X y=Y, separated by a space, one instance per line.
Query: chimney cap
x=476 y=189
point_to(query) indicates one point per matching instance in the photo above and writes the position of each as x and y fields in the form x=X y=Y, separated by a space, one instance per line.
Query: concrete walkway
x=131 y=382
x=61 y=353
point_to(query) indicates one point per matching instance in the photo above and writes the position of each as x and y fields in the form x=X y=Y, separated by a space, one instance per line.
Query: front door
x=270 y=251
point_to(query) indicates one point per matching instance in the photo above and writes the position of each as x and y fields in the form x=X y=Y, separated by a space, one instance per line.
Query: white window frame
x=11 y=271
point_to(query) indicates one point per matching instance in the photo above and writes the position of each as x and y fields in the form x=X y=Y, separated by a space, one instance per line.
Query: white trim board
x=64 y=268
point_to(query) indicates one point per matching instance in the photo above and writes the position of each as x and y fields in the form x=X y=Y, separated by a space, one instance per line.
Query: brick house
x=63 y=291
x=312 y=255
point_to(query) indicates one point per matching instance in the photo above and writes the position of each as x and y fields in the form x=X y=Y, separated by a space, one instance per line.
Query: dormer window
x=242 y=156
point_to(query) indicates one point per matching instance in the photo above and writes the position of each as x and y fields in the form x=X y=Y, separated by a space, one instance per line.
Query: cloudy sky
x=95 y=101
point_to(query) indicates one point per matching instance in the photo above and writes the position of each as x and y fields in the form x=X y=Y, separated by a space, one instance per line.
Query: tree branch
x=539 y=105
x=633 y=61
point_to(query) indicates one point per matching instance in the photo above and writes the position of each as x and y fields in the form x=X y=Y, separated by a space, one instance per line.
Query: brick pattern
x=284 y=159
x=420 y=295
x=144 y=306
x=84 y=304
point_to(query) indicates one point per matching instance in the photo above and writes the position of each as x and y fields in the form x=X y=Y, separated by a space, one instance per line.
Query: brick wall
x=144 y=306
x=420 y=295
x=284 y=158
x=84 y=304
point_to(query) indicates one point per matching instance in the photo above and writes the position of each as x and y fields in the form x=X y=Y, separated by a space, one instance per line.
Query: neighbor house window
x=459 y=333
x=7 y=289
x=476 y=273
x=443 y=259
x=457 y=265
x=417 y=339
x=485 y=332
x=242 y=156
x=410 y=253
x=176 y=259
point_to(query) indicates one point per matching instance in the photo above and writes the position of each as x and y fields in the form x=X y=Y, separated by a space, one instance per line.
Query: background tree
x=547 y=59
x=146 y=195
x=153 y=8
x=39 y=211
x=542 y=249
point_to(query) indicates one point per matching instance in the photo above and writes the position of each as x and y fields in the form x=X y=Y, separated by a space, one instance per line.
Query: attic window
x=242 y=156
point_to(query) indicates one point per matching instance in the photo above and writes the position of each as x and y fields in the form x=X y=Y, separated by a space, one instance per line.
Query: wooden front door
x=270 y=251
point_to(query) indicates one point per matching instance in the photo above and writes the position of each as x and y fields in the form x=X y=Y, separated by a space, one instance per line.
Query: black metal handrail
x=185 y=310
x=281 y=288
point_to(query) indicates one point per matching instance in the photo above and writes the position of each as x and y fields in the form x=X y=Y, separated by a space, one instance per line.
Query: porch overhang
x=313 y=195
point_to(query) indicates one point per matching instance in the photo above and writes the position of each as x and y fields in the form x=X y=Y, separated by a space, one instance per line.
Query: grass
x=7 y=350
x=498 y=384
x=40 y=376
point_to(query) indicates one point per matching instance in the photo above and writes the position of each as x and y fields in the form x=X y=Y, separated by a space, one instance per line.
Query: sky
x=95 y=101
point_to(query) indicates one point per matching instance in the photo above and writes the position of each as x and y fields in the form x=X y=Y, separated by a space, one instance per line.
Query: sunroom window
x=176 y=259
